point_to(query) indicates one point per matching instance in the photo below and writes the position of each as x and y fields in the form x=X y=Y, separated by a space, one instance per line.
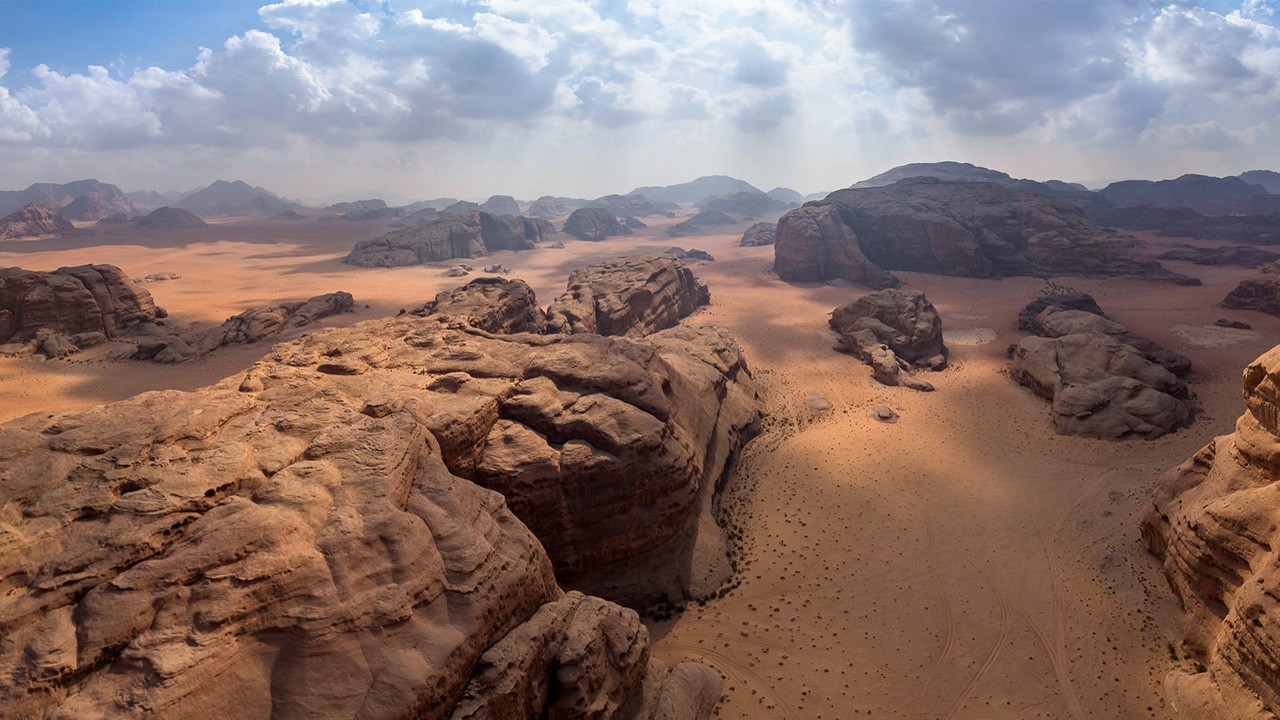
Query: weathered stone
x=893 y=331
x=634 y=295
x=34 y=220
x=462 y=236
x=70 y=301
x=593 y=223
x=762 y=233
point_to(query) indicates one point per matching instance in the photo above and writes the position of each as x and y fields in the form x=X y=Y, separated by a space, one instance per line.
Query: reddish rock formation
x=464 y=236
x=167 y=218
x=743 y=203
x=302 y=534
x=77 y=306
x=495 y=305
x=1260 y=292
x=762 y=233
x=250 y=326
x=593 y=223
x=634 y=296
x=34 y=220
x=1215 y=524
x=893 y=331
x=950 y=228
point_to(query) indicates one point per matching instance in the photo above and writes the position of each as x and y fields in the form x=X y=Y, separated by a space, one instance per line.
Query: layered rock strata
x=634 y=295
x=34 y=220
x=56 y=313
x=893 y=331
x=302 y=538
x=1101 y=380
x=949 y=228
x=1215 y=525
x=468 y=235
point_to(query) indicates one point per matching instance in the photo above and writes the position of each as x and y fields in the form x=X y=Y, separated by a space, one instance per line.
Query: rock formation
x=690 y=254
x=1101 y=380
x=699 y=223
x=893 y=331
x=632 y=296
x=34 y=220
x=82 y=199
x=631 y=205
x=634 y=223
x=461 y=207
x=463 y=236
x=547 y=207
x=695 y=190
x=1239 y=255
x=358 y=206
x=1260 y=292
x=950 y=228
x=56 y=313
x=167 y=218
x=233 y=199
x=1214 y=525
x=743 y=203
x=386 y=213
x=495 y=305
x=1202 y=193
x=762 y=233
x=500 y=205
x=303 y=538
x=250 y=326
x=593 y=223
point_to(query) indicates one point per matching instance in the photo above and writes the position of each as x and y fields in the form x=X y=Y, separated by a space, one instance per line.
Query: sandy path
x=964 y=562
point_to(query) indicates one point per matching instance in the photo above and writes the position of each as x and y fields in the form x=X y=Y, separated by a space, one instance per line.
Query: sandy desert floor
x=964 y=562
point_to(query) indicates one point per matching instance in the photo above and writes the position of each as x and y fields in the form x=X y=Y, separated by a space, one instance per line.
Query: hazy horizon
x=311 y=98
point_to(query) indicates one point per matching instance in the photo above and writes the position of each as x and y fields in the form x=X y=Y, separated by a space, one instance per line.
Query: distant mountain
x=34 y=220
x=150 y=199
x=168 y=218
x=1268 y=179
x=1204 y=194
x=947 y=171
x=500 y=205
x=632 y=205
x=549 y=206
x=695 y=190
x=358 y=206
x=786 y=195
x=89 y=208
x=233 y=199
x=437 y=204
x=745 y=203
x=101 y=196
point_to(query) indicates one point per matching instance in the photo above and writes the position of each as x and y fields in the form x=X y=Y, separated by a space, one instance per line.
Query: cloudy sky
x=574 y=97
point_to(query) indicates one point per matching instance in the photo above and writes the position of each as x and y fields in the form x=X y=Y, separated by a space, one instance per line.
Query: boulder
x=971 y=229
x=1215 y=525
x=250 y=326
x=1101 y=380
x=633 y=296
x=762 y=233
x=895 y=332
x=593 y=223
x=34 y=220
x=462 y=236
x=72 y=302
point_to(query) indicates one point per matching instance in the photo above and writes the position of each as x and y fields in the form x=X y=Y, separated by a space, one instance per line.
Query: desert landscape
x=453 y=361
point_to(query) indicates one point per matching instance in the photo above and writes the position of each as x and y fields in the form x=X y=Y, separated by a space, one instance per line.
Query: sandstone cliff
x=57 y=312
x=1260 y=292
x=301 y=539
x=593 y=223
x=1215 y=524
x=34 y=220
x=463 y=236
x=634 y=295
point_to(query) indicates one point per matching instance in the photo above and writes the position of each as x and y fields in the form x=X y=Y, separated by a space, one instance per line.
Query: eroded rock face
x=1239 y=255
x=634 y=296
x=1215 y=524
x=950 y=228
x=593 y=223
x=1101 y=380
x=1260 y=292
x=762 y=233
x=34 y=220
x=893 y=331
x=82 y=305
x=462 y=236
x=300 y=539
x=495 y=305
x=250 y=326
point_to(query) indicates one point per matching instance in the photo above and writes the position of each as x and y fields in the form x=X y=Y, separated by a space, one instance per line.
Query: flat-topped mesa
x=893 y=331
x=252 y=325
x=949 y=228
x=463 y=236
x=634 y=296
x=307 y=527
x=71 y=308
x=1215 y=524
x=34 y=220
x=1102 y=381
x=593 y=223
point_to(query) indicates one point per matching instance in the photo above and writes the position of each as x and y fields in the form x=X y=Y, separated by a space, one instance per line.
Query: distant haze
x=457 y=98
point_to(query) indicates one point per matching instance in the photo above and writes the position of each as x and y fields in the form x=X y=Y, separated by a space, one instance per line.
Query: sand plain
x=963 y=562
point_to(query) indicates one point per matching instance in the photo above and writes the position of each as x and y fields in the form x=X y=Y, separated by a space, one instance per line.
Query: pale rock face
x=813 y=244
x=34 y=220
x=1215 y=524
x=72 y=303
x=631 y=296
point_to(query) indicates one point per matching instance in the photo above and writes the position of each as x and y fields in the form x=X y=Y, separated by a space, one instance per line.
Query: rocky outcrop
x=167 y=218
x=1102 y=381
x=1214 y=524
x=464 y=236
x=1260 y=292
x=56 y=313
x=500 y=205
x=1238 y=255
x=250 y=326
x=548 y=207
x=762 y=233
x=358 y=206
x=417 y=217
x=305 y=534
x=495 y=305
x=950 y=228
x=744 y=203
x=235 y=198
x=34 y=220
x=461 y=207
x=893 y=331
x=632 y=296
x=695 y=190
x=631 y=205
x=593 y=223
x=532 y=229
x=814 y=243
x=700 y=223
x=1202 y=193
x=77 y=200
